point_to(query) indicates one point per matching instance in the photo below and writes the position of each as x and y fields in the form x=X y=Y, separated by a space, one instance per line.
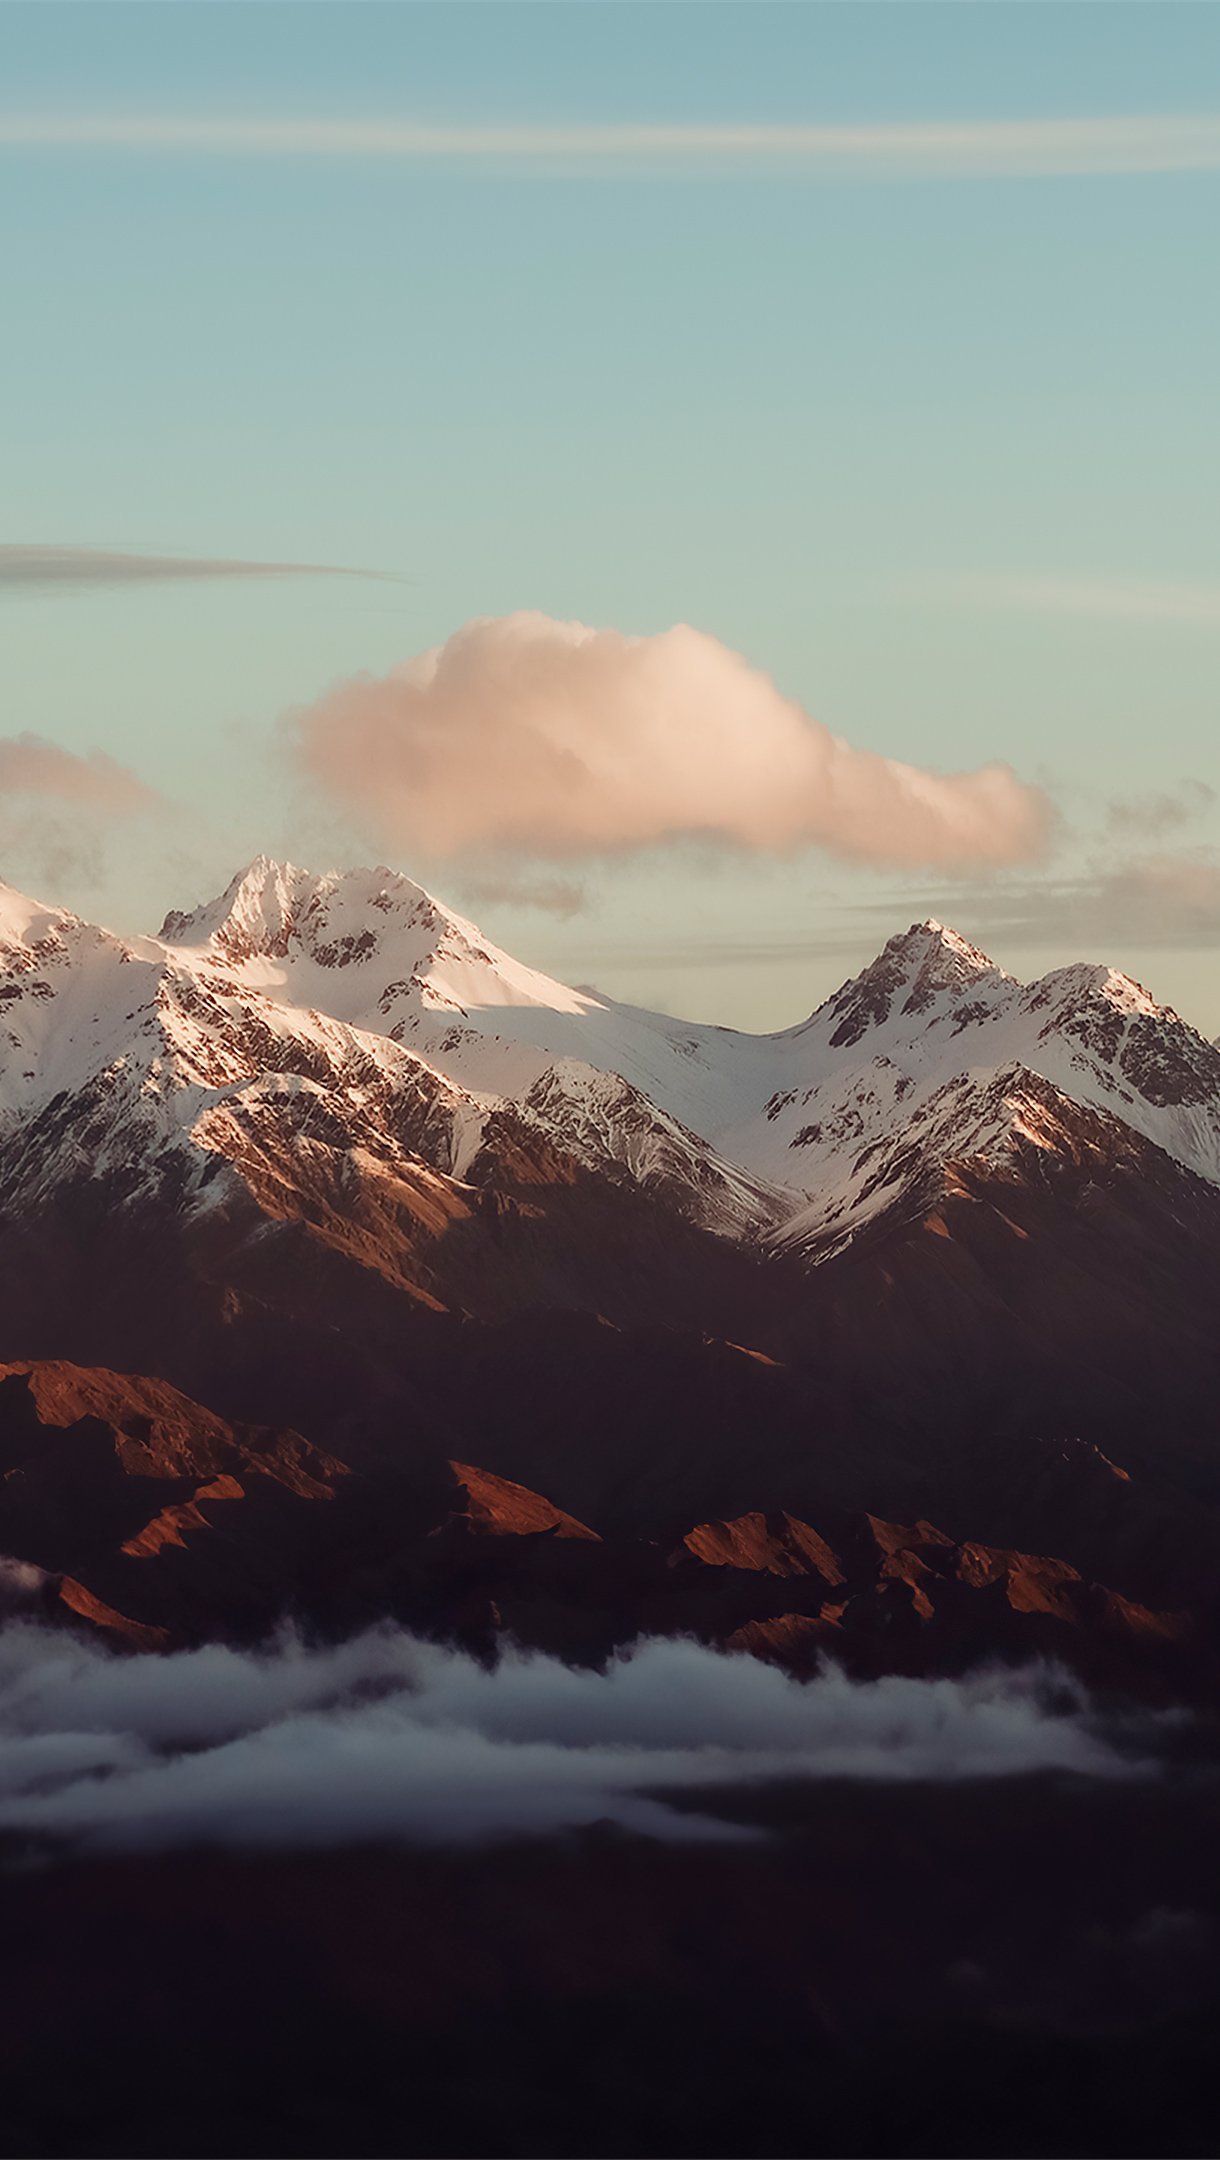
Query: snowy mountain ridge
x=358 y=1002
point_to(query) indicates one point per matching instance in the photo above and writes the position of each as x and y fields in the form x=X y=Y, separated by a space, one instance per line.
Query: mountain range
x=372 y=1199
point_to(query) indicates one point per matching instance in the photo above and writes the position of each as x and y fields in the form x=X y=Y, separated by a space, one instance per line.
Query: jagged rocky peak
x=912 y=971
x=940 y=957
x=337 y=918
x=256 y=912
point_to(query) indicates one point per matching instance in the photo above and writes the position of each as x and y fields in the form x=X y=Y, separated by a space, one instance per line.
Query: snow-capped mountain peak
x=255 y=913
x=918 y=971
x=271 y=907
x=359 y=944
x=420 y=1034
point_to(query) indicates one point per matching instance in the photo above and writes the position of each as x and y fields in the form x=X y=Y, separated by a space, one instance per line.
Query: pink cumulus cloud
x=550 y=741
x=30 y=765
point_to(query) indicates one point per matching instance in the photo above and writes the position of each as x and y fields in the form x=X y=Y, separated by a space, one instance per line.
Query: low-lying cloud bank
x=526 y=737
x=387 y=1737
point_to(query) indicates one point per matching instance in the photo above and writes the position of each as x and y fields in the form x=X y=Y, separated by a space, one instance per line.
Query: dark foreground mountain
x=1026 y=1967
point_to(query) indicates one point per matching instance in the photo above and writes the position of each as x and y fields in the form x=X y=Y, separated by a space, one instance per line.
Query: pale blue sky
x=936 y=445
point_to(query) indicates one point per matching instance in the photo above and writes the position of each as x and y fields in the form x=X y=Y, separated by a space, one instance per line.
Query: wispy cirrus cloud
x=30 y=567
x=562 y=897
x=1163 y=899
x=1109 y=598
x=1019 y=148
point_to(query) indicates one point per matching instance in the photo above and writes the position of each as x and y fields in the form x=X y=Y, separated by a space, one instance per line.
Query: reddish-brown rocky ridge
x=499 y=1508
x=158 y=1523
x=771 y=1544
x=150 y=1516
x=159 y=1432
x=898 y=1597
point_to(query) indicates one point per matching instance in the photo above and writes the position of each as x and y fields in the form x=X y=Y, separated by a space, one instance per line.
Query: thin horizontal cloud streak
x=561 y=897
x=1175 y=895
x=1021 y=148
x=1159 y=899
x=385 y=1737
x=1101 y=599
x=1162 y=900
x=543 y=740
x=29 y=568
